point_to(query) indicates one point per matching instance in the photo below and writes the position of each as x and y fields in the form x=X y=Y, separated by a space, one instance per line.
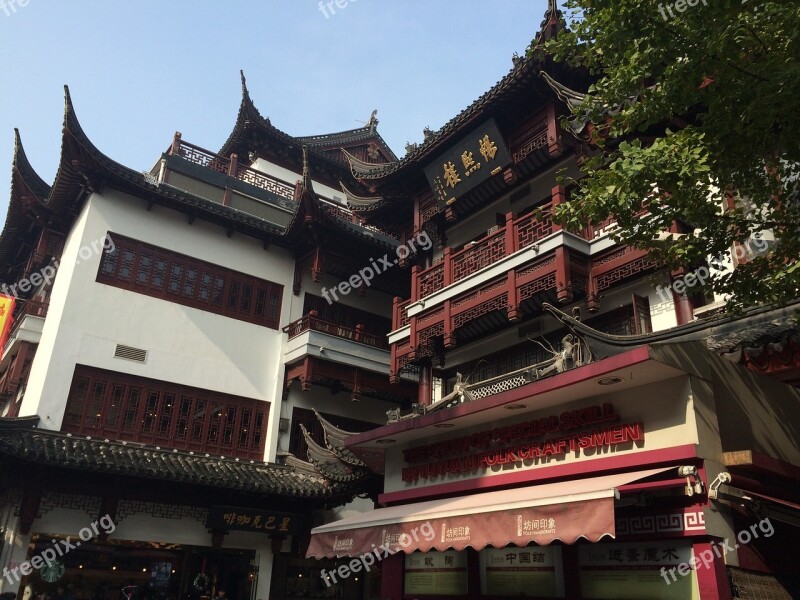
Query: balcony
x=515 y=235
x=356 y=334
x=28 y=321
x=312 y=336
x=227 y=181
x=230 y=167
x=503 y=278
x=329 y=354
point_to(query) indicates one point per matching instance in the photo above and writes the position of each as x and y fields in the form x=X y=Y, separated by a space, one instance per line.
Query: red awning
x=542 y=514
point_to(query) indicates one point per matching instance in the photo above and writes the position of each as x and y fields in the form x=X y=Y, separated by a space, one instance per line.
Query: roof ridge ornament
x=372 y=124
x=552 y=23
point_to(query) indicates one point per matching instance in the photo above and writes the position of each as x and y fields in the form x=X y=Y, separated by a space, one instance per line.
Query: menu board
x=531 y=572
x=436 y=573
x=634 y=571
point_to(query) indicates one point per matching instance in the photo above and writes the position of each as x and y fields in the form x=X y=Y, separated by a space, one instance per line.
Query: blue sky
x=139 y=71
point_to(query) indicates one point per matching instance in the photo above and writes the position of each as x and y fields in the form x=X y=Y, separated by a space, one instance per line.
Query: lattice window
x=160 y=273
x=612 y=256
x=631 y=269
x=532 y=138
x=114 y=405
x=536 y=266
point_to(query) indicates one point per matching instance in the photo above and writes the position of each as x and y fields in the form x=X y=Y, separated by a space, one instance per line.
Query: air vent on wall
x=130 y=353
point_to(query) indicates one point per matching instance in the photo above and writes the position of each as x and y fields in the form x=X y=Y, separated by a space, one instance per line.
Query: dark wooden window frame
x=160 y=273
x=125 y=407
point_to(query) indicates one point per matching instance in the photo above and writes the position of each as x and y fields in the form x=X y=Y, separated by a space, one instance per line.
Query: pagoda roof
x=523 y=75
x=251 y=124
x=21 y=440
x=29 y=194
x=83 y=168
x=311 y=209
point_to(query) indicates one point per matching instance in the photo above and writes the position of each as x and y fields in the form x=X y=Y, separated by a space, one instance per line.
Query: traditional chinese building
x=169 y=345
x=558 y=456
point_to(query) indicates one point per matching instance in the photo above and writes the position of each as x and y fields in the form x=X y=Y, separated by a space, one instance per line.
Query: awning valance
x=563 y=511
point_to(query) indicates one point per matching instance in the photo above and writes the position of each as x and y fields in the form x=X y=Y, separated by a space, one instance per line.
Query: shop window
x=160 y=273
x=124 y=407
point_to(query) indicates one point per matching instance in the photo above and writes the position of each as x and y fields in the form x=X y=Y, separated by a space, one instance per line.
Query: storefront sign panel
x=250 y=519
x=543 y=439
x=436 y=573
x=634 y=570
x=532 y=572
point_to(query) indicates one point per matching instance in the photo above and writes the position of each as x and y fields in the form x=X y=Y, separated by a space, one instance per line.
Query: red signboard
x=6 y=318
x=567 y=432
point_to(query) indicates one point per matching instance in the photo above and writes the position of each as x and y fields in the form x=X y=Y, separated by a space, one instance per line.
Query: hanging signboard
x=471 y=161
x=252 y=519
x=6 y=318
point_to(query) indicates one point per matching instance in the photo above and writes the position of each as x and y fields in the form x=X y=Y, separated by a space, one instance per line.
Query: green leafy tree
x=694 y=116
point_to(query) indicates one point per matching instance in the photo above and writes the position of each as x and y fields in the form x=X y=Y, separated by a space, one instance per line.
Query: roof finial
x=373 y=121
x=306 y=175
x=245 y=92
x=553 y=22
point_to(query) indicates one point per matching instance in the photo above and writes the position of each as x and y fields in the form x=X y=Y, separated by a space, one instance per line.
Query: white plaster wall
x=185 y=345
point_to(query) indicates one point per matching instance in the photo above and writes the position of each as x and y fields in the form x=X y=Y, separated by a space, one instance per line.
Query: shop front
x=589 y=484
x=119 y=569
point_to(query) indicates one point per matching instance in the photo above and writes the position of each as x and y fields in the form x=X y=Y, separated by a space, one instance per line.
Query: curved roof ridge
x=359 y=168
x=354 y=201
x=521 y=67
x=249 y=114
x=20 y=163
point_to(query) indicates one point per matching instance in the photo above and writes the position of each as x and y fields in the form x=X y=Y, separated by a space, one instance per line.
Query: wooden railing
x=356 y=334
x=230 y=166
x=515 y=235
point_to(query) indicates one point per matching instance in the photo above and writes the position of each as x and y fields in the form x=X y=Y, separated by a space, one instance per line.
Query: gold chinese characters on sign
x=488 y=151
x=474 y=159
x=249 y=519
